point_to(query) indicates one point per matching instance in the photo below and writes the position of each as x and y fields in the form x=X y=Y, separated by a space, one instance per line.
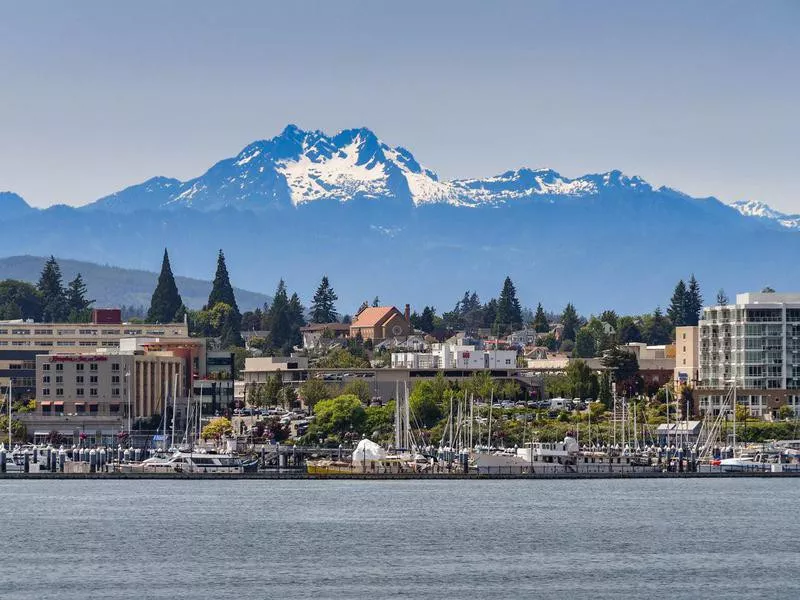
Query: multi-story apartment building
x=453 y=356
x=22 y=341
x=754 y=346
x=687 y=356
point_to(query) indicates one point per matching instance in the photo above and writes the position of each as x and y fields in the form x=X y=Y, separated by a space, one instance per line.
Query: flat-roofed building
x=21 y=341
x=754 y=346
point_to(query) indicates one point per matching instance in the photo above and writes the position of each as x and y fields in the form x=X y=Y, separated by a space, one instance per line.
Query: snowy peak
x=760 y=210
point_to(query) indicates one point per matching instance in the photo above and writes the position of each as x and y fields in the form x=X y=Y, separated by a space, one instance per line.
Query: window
x=45 y=367
x=45 y=409
x=79 y=392
x=45 y=391
x=93 y=392
x=92 y=378
x=113 y=408
x=80 y=408
x=79 y=379
x=46 y=379
x=59 y=367
x=20 y=332
x=93 y=367
x=93 y=408
x=59 y=379
x=79 y=367
x=115 y=391
x=43 y=332
x=115 y=379
x=59 y=408
x=59 y=391
x=115 y=366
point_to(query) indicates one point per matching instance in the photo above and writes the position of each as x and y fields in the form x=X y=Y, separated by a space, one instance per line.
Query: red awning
x=58 y=403
x=80 y=404
x=45 y=403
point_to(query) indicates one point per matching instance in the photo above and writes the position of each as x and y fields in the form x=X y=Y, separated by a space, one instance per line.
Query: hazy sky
x=701 y=96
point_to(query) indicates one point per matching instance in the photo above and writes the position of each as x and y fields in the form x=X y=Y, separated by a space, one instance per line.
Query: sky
x=701 y=96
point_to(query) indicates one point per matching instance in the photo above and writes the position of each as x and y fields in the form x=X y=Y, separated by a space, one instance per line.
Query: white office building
x=753 y=344
x=453 y=356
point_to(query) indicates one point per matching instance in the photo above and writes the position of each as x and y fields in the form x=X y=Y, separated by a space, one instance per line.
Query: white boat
x=557 y=457
x=188 y=462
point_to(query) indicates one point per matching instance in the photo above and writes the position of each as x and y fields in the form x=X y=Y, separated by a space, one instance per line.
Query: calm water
x=731 y=538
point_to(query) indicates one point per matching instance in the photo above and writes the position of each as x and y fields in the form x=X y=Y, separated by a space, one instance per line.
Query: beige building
x=97 y=391
x=687 y=359
x=22 y=341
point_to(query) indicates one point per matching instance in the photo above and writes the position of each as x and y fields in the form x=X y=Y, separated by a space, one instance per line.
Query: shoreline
x=302 y=475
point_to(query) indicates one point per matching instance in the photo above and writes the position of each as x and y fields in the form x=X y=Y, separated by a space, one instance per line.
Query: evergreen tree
x=221 y=289
x=229 y=333
x=50 y=286
x=540 y=324
x=628 y=331
x=77 y=304
x=297 y=320
x=509 y=312
x=323 y=309
x=569 y=320
x=489 y=313
x=722 y=298
x=678 y=305
x=659 y=329
x=694 y=302
x=279 y=320
x=166 y=302
x=426 y=321
x=585 y=344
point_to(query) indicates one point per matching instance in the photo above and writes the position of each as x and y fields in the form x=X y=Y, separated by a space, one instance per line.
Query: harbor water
x=682 y=538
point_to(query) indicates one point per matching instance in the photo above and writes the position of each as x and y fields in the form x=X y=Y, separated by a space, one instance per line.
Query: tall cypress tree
x=77 y=303
x=677 y=311
x=166 y=303
x=540 y=324
x=50 y=286
x=509 y=312
x=323 y=309
x=694 y=302
x=279 y=319
x=221 y=289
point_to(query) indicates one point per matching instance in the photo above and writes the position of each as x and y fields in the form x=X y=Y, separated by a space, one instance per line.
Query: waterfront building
x=21 y=341
x=103 y=392
x=754 y=345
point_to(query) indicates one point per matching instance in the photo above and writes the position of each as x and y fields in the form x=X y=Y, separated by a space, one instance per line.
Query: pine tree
x=77 y=304
x=540 y=324
x=50 y=286
x=678 y=306
x=722 y=298
x=694 y=302
x=278 y=318
x=509 y=312
x=297 y=320
x=659 y=329
x=323 y=309
x=166 y=303
x=230 y=335
x=221 y=289
x=569 y=320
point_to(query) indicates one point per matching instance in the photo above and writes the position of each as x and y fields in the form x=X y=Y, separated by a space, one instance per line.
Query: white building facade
x=451 y=356
x=753 y=345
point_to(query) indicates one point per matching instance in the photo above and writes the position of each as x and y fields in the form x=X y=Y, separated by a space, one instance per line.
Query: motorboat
x=188 y=462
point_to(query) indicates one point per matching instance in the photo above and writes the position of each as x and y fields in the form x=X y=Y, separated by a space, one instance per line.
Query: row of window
x=79 y=379
x=79 y=367
x=80 y=408
x=80 y=392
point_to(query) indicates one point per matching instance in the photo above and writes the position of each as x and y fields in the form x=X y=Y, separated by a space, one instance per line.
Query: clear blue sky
x=701 y=96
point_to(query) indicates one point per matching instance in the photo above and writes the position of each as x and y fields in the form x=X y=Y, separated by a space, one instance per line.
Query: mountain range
x=377 y=222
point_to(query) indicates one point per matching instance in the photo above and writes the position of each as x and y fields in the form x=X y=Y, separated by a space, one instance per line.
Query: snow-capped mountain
x=298 y=167
x=760 y=210
x=378 y=222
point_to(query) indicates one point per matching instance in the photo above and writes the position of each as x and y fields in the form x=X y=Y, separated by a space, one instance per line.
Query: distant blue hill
x=377 y=222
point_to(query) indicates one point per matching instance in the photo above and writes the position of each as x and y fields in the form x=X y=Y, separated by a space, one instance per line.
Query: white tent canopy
x=367 y=451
